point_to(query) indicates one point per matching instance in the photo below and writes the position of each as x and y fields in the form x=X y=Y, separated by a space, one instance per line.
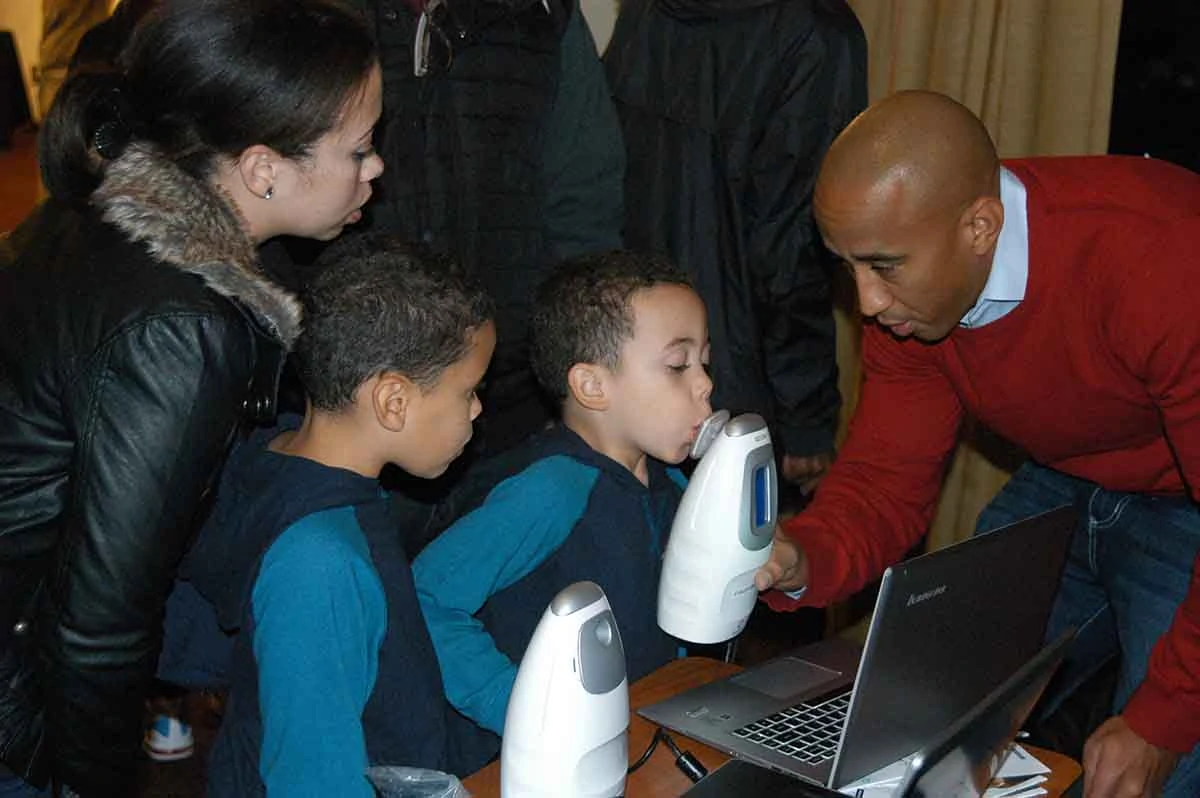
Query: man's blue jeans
x=14 y=787
x=1128 y=570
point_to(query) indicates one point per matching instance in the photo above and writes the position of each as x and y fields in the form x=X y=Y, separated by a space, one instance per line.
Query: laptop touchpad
x=786 y=677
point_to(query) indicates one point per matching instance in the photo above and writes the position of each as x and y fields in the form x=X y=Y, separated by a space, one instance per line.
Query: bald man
x=1055 y=300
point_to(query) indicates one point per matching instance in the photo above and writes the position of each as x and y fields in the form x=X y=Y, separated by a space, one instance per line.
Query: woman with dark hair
x=139 y=330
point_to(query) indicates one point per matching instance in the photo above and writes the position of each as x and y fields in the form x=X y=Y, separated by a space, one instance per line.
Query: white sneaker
x=168 y=739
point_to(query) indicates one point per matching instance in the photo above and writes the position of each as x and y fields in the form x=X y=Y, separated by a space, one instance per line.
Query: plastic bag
x=402 y=782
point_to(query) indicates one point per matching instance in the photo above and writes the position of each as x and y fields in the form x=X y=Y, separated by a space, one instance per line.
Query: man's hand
x=787 y=569
x=1118 y=763
x=806 y=472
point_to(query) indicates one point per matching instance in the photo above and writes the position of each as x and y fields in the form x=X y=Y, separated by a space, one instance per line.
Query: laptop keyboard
x=808 y=733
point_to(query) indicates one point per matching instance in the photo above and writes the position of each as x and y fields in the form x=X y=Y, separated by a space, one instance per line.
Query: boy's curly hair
x=377 y=305
x=583 y=311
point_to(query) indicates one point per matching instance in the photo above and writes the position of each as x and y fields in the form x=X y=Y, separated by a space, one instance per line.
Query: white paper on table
x=1020 y=762
x=1019 y=776
x=880 y=784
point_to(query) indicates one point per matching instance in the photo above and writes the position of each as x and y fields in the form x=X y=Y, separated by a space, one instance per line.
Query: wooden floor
x=19 y=185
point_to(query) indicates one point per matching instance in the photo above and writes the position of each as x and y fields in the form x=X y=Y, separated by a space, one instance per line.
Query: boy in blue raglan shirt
x=621 y=340
x=332 y=668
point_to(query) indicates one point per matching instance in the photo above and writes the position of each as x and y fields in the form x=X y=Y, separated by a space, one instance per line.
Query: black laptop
x=948 y=627
x=960 y=762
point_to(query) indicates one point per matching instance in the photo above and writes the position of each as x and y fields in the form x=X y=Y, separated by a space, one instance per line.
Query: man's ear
x=391 y=398
x=986 y=219
x=258 y=166
x=587 y=383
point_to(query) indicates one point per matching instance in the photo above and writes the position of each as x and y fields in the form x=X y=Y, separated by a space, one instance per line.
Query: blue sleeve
x=319 y=619
x=523 y=521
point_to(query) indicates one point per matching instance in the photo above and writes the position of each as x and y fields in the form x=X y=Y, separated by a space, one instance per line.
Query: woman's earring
x=269 y=193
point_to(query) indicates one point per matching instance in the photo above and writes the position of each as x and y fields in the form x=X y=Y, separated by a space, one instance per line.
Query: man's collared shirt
x=1006 y=282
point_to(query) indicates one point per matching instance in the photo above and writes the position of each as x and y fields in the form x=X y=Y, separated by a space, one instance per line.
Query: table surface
x=659 y=778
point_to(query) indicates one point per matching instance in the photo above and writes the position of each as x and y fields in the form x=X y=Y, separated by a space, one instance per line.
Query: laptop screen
x=961 y=762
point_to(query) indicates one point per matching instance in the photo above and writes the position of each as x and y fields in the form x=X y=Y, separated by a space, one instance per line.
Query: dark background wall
x=1156 y=93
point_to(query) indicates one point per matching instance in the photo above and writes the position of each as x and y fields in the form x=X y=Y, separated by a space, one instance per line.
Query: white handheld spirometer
x=568 y=717
x=722 y=531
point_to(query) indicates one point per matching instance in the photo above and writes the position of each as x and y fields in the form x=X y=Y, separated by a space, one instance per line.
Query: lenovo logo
x=917 y=598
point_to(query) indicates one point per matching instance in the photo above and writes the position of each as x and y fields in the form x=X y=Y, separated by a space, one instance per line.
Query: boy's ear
x=587 y=384
x=391 y=397
x=258 y=167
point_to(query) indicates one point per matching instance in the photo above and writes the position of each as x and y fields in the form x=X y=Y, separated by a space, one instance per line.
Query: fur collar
x=188 y=224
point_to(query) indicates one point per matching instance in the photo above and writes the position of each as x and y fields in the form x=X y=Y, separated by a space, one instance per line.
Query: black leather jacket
x=135 y=333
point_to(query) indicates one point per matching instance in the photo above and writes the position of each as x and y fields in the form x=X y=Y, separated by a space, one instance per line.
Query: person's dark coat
x=137 y=332
x=727 y=108
x=505 y=153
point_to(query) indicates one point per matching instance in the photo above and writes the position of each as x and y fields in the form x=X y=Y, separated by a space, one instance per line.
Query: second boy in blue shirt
x=621 y=340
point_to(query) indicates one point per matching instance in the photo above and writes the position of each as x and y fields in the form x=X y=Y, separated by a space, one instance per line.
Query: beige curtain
x=1039 y=73
x=63 y=23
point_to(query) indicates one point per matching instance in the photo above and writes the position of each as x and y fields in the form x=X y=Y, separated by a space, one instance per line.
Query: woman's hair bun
x=112 y=127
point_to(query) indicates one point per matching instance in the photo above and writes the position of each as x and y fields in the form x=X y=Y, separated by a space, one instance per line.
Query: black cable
x=641 y=760
x=684 y=760
x=670 y=743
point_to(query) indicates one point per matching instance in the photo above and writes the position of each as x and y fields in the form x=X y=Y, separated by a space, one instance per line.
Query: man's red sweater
x=1096 y=373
